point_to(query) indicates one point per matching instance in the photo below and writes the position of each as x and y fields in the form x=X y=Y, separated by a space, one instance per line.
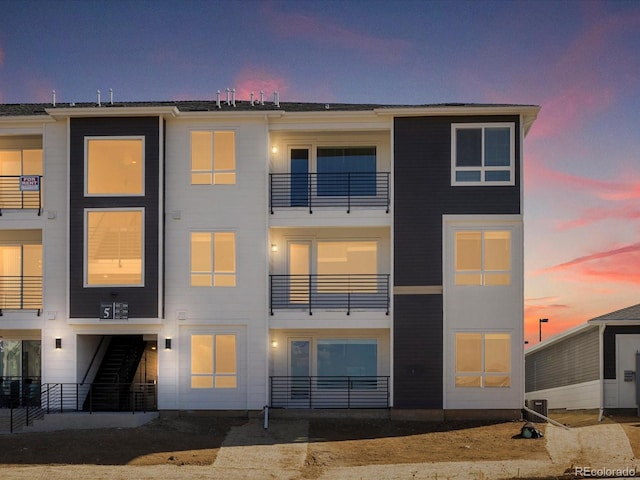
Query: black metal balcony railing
x=329 y=392
x=328 y=292
x=13 y=197
x=21 y=292
x=317 y=190
x=28 y=400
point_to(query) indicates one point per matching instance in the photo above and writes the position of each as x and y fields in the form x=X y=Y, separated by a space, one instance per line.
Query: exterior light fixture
x=274 y=344
x=167 y=344
x=274 y=247
x=540 y=322
x=274 y=149
x=58 y=343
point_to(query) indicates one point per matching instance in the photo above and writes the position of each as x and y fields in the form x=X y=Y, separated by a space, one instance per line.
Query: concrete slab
x=84 y=420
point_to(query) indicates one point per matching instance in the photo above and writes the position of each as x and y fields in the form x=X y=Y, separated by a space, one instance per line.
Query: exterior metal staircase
x=112 y=385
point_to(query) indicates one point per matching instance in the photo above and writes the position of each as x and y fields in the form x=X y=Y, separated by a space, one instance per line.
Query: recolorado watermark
x=604 y=472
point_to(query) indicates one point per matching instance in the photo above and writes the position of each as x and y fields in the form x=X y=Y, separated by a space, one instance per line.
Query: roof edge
x=560 y=336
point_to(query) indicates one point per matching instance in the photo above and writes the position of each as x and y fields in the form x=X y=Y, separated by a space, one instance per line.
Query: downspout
x=601 y=348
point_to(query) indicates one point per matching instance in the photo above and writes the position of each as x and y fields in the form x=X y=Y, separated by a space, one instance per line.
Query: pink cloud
x=538 y=175
x=598 y=68
x=40 y=90
x=616 y=265
x=593 y=215
x=325 y=31
x=569 y=108
x=253 y=80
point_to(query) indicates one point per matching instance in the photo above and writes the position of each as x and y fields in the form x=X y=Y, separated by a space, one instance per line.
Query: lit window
x=114 y=247
x=483 y=360
x=213 y=259
x=115 y=166
x=483 y=257
x=347 y=266
x=16 y=160
x=21 y=273
x=214 y=361
x=482 y=154
x=213 y=157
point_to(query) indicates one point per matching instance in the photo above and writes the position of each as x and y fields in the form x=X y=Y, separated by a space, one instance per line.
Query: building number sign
x=114 y=310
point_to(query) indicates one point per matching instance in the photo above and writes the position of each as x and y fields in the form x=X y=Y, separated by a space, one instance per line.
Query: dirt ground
x=195 y=441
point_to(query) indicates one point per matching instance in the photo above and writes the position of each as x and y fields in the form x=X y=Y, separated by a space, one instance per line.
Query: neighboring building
x=593 y=365
x=231 y=255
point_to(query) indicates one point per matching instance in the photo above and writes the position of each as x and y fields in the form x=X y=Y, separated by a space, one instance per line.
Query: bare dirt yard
x=187 y=447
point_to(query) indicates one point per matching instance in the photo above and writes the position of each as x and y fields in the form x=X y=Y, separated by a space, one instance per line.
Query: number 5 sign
x=106 y=310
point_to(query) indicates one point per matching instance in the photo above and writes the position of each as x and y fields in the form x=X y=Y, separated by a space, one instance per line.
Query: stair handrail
x=95 y=354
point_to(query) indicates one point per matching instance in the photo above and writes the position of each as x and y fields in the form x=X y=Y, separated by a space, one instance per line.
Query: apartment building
x=227 y=255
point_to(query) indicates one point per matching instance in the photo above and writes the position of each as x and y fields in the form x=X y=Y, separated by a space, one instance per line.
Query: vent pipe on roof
x=53 y=99
x=228 y=100
x=218 y=99
x=276 y=99
x=111 y=96
x=98 y=93
x=261 y=97
x=233 y=97
x=252 y=99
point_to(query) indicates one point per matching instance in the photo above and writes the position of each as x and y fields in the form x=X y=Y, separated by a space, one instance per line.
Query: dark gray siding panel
x=574 y=360
x=609 y=347
x=143 y=301
x=418 y=351
x=422 y=195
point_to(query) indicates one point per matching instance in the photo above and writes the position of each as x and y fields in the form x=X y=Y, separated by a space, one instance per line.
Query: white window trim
x=86 y=165
x=482 y=374
x=213 y=270
x=213 y=160
x=213 y=375
x=85 y=266
x=482 y=168
x=483 y=271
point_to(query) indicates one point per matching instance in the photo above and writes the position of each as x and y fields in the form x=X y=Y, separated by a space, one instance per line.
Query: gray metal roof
x=30 y=109
x=625 y=314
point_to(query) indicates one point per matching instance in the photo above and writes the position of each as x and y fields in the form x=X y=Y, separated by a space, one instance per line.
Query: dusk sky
x=578 y=60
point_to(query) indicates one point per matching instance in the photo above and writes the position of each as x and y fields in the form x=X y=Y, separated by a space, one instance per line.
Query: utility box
x=539 y=406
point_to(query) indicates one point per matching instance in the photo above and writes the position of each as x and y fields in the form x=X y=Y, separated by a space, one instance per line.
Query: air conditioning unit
x=539 y=406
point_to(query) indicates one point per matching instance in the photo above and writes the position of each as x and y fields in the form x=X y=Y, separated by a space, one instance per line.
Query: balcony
x=329 y=392
x=345 y=292
x=20 y=192
x=329 y=190
x=20 y=293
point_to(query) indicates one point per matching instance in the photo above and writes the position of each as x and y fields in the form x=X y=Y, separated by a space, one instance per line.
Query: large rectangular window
x=347 y=357
x=482 y=154
x=344 y=265
x=483 y=257
x=21 y=271
x=114 y=166
x=347 y=257
x=213 y=259
x=214 y=361
x=20 y=156
x=483 y=360
x=213 y=157
x=114 y=248
x=346 y=171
